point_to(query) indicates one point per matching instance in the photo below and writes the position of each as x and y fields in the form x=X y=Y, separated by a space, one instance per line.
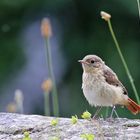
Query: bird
x=101 y=86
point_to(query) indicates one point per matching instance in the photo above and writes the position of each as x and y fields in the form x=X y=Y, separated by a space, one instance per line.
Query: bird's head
x=91 y=63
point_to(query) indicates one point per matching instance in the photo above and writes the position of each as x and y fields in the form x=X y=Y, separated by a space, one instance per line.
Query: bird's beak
x=82 y=61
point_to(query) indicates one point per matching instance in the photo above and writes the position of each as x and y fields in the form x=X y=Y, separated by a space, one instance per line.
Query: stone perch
x=12 y=127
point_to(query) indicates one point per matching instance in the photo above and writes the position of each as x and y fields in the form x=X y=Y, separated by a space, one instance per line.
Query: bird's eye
x=92 y=61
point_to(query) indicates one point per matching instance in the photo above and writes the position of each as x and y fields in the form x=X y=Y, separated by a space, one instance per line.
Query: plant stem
x=47 y=104
x=51 y=75
x=123 y=61
x=138 y=3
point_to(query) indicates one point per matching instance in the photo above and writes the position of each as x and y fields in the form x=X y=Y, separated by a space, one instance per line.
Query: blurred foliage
x=83 y=32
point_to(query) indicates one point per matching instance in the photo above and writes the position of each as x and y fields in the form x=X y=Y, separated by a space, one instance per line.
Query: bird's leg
x=114 y=111
x=97 y=112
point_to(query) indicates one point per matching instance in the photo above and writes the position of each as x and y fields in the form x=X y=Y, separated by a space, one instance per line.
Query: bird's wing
x=112 y=79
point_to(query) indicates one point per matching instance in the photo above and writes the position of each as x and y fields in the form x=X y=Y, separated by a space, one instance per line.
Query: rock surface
x=12 y=127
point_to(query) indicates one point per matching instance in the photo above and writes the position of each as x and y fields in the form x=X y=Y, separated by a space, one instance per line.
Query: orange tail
x=133 y=107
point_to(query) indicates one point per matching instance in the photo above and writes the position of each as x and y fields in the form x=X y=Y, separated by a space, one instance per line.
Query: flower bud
x=54 y=122
x=105 y=15
x=74 y=119
x=26 y=136
x=11 y=107
x=47 y=85
x=86 y=115
x=46 y=30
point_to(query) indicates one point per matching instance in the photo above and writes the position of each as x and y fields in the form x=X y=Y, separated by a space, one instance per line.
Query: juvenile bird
x=101 y=86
